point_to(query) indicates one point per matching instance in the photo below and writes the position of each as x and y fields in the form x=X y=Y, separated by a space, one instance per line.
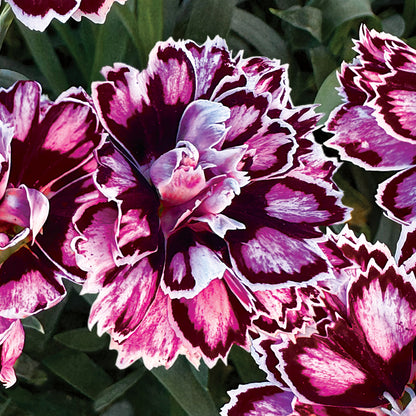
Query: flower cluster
x=190 y=198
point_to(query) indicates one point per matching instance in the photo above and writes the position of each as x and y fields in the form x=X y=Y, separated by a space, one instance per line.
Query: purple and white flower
x=375 y=126
x=211 y=189
x=37 y=15
x=46 y=162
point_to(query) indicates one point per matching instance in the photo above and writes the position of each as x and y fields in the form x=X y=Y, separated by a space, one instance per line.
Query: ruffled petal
x=258 y=399
x=212 y=321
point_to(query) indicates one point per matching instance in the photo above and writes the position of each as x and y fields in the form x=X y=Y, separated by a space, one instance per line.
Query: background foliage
x=67 y=370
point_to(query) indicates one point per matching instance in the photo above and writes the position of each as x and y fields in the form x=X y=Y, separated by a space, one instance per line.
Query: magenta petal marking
x=10 y=349
x=303 y=409
x=125 y=299
x=37 y=15
x=6 y=135
x=258 y=399
x=213 y=320
x=406 y=248
x=397 y=196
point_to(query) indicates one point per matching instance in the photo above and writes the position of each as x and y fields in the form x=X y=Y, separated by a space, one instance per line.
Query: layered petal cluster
x=213 y=190
x=46 y=162
x=361 y=360
x=37 y=15
x=375 y=129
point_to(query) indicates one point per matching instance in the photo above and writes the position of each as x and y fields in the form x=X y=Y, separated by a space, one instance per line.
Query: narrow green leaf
x=109 y=48
x=328 y=97
x=116 y=390
x=72 y=42
x=266 y=40
x=394 y=24
x=78 y=370
x=150 y=24
x=170 y=9
x=45 y=58
x=305 y=18
x=209 y=18
x=82 y=339
x=409 y=14
x=6 y=18
x=127 y=17
x=182 y=384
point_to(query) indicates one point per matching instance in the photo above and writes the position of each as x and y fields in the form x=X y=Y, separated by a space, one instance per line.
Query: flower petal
x=398 y=197
x=213 y=320
x=10 y=349
x=378 y=150
x=258 y=399
x=29 y=284
x=38 y=15
x=155 y=340
x=95 y=10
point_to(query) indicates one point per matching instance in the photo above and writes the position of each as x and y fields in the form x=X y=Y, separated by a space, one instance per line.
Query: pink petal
x=213 y=320
x=10 y=350
x=132 y=105
x=378 y=150
x=29 y=283
x=125 y=298
x=155 y=340
x=37 y=16
x=258 y=399
x=191 y=263
x=396 y=195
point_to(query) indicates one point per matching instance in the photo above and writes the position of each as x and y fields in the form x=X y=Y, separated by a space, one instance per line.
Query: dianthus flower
x=37 y=15
x=212 y=189
x=374 y=127
x=360 y=362
x=45 y=163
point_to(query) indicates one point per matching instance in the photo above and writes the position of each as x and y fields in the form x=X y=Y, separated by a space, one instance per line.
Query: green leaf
x=247 y=368
x=109 y=48
x=336 y=12
x=116 y=390
x=31 y=321
x=82 y=339
x=328 y=97
x=182 y=384
x=45 y=58
x=4 y=406
x=394 y=24
x=150 y=24
x=323 y=63
x=266 y=40
x=6 y=18
x=209 y=18
x=78 y=370
x=305 y=18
